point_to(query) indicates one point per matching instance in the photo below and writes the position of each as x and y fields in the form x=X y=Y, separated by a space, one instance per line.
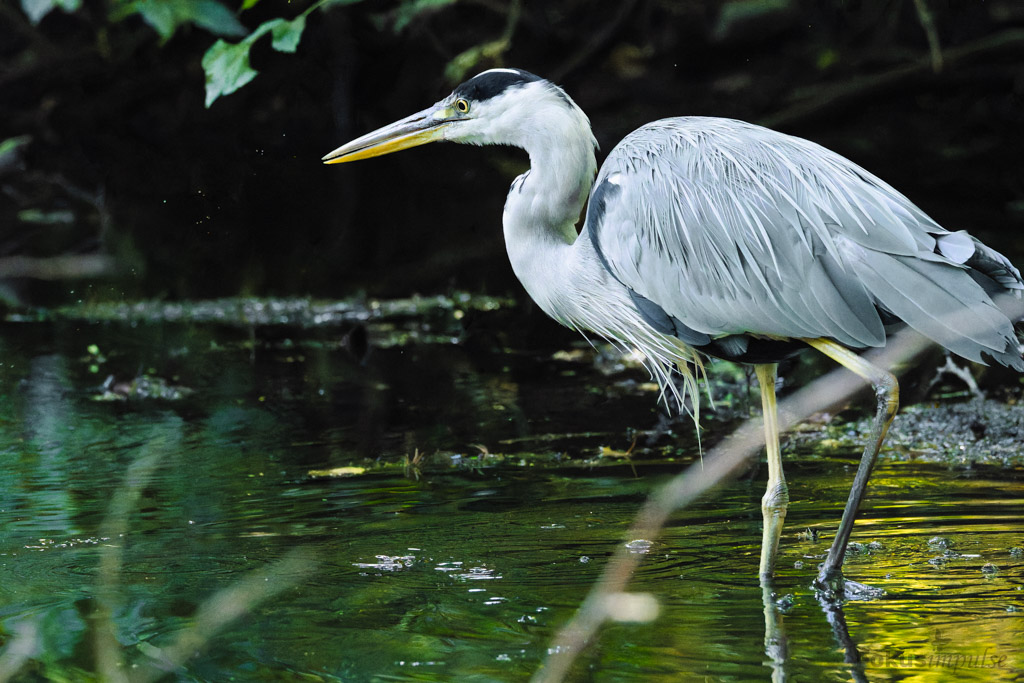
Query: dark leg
x=887 y=392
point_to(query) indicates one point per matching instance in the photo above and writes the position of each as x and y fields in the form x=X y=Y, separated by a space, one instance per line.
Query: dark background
x=123 y=159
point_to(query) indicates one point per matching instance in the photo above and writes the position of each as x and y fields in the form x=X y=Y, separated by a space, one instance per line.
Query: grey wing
x=728 y=228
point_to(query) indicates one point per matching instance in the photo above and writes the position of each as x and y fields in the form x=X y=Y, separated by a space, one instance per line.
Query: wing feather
x=731 y=228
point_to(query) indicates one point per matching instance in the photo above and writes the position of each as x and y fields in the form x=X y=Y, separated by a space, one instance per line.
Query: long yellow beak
x=419 y=129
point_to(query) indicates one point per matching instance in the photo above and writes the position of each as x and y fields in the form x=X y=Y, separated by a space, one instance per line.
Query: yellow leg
x=776 y=497
x=887 y=391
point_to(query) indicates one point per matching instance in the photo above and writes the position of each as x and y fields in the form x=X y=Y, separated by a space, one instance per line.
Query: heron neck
x=543 y=208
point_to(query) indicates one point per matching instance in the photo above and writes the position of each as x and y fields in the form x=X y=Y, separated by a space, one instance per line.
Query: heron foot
x=774 y=504
x=828 y=586
x=835 y=589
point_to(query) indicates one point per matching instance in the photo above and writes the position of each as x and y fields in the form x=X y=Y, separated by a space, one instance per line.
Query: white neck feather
x=544 y=203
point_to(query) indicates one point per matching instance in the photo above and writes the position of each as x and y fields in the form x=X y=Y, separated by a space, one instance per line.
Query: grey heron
x=714 y=237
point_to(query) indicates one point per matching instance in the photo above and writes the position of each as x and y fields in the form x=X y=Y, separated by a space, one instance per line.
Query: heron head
x=496 y=107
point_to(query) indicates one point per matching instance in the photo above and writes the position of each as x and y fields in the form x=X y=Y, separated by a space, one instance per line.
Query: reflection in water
x=466 y=572
x=836 y=617
x=47 y=435
x=775 y=647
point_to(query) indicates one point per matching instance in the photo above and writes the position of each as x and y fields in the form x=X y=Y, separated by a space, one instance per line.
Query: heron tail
x=944 y=302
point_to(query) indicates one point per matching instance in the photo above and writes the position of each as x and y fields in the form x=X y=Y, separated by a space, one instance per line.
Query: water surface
x=480 y=518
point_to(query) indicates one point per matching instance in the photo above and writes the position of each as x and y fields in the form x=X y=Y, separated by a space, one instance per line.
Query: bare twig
x=961 y=373
x=57 y=267
x=598 y=41
x=97 y=199
x=109 y=660
x=924 y=15
x=457 y=68
x=225 y=607
x=829 y=96
x=212 y=616
x=25 y=645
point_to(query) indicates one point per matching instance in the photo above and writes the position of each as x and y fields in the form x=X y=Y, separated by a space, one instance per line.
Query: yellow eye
x=462 y=106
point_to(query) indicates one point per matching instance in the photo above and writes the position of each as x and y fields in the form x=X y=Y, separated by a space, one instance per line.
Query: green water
x=459 y=566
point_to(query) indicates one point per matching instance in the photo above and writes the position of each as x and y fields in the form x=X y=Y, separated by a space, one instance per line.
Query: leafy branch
x=227 y=64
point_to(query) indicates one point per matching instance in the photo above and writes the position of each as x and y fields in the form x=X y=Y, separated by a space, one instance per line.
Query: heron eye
x=462 y=106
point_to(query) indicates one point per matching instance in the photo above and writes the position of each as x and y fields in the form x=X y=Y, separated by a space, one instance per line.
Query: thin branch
x=598 y=41
x=226 y=606
x=924 y=15
x=25 y=644
x=213 y=616
x=57 y=267
x=813 y=101
x=109 y=659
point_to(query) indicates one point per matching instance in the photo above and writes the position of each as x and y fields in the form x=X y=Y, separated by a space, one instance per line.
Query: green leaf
x=214 y=17
x=160 y=16
x=227 y=64
x=35 y=10
x=411 y=8
x=165 y=16
x=249 y=4
x=287 y=34
x=463 y=62
x=227 y=68
x=11 y=148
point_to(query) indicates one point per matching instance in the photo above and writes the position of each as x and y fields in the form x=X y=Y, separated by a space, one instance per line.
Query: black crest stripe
x=492 y=83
